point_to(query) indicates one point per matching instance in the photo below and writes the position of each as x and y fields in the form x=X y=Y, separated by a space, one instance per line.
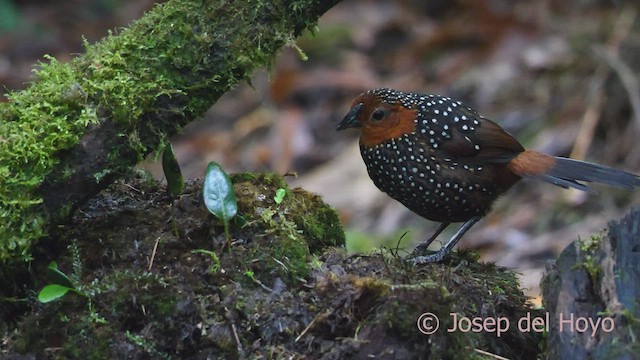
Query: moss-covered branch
x=82 y=124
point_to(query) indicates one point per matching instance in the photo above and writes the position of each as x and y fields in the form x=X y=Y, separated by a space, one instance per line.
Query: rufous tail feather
x=568 y=172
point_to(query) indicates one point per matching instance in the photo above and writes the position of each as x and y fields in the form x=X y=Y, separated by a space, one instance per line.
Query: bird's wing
x=480 y=141
x=496 y=145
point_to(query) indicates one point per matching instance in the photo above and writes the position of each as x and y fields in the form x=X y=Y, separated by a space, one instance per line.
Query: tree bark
x=591 y=295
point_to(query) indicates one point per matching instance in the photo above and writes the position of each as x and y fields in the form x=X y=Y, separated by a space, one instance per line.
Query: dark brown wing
x=467 y=137
x=496 y=145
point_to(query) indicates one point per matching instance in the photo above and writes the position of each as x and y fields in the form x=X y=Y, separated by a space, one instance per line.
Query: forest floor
x=561 y=77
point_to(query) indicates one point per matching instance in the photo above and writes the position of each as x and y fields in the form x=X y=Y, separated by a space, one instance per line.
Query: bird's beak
x=351 y=120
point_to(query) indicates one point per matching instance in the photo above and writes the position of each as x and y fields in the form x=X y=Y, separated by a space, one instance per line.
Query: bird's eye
x=378 y=114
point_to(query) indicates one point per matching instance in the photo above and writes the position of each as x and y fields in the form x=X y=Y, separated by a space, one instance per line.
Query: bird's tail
x=568 y=172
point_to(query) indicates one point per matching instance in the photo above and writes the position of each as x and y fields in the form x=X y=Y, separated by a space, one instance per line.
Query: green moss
x=36 y=123
x=84 y=341
x=319 y=223
x=300 y=225
x=148 y=288
x=289 y=249
x=127 y=299
x=148 y=346
x=282 y=251
x=590 y=256
x=144 y=83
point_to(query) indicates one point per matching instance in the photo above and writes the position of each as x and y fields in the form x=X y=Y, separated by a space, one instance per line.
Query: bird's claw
x=420 y=250
x=428 y=259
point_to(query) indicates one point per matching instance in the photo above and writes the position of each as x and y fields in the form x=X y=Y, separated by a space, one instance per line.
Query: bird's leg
x=446 y=248
x=422 y=247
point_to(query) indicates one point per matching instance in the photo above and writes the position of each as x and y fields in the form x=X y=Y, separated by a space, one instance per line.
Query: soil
x=155 y=278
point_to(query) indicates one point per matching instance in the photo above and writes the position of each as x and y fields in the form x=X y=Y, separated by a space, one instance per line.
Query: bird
x=446 y=163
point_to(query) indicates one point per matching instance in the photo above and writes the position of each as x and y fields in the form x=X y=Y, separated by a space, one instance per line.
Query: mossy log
x=592 y=293
x=80 y=125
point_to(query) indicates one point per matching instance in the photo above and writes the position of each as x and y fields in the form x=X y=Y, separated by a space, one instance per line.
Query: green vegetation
x=171 y=168
x=127 y=93
x=146 y=279
x=219 y=197
x=280 y=193
x=292 y=230
x=214 y=257
x=590 y=251
x=59 y=287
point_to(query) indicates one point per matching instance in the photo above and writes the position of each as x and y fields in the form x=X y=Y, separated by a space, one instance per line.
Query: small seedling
x=219 y=197
x=60 y=286
x=250 y=274
x=301 y=54
x=216 y=261
x=280 y=194
x=171 y=168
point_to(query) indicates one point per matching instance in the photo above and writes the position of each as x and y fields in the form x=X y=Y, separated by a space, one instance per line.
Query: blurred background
x=561 y=76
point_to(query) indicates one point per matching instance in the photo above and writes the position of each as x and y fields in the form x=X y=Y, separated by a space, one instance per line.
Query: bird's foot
x=428 y=259
x=418 y=257
x=420 y=250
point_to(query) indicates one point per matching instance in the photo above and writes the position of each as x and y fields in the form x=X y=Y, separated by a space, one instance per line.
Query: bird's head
x=380 y=115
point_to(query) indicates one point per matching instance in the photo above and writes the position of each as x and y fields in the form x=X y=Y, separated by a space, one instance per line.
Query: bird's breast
x=427 y=183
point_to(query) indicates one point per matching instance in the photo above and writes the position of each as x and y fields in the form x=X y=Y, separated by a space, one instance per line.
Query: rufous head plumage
x=380 y=115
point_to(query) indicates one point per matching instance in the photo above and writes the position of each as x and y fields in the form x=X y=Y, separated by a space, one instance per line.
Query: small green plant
x=171 y=168
x=301 y=54
x=216 y=261
x=60 y=285
x=250 y=274
x=280 y=194
x=219 y=197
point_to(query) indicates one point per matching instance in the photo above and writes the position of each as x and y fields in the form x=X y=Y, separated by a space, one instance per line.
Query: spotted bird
x=446 y=163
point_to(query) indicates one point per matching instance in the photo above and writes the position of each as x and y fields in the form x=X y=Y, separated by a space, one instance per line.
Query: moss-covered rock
x=161 y=281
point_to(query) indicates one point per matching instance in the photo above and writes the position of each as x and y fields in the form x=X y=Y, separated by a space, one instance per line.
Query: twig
x=132 y=188
x=309 y=326
x=237 y=338
x=485 y=353
x=153 y=253
x=234 y=330
x=263 y=286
